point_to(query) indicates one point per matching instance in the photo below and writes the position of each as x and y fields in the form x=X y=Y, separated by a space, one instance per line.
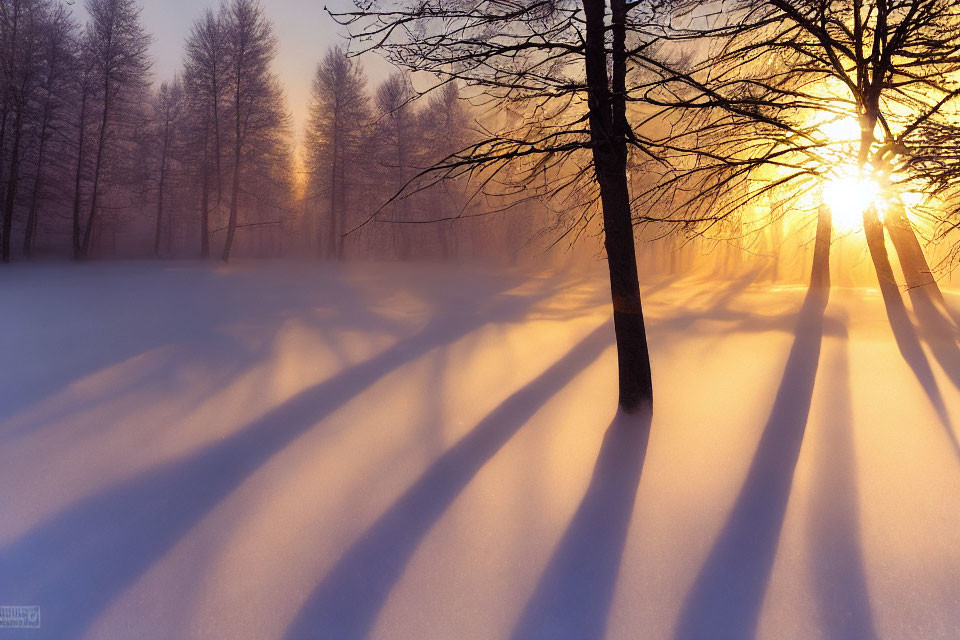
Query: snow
x=424 y=451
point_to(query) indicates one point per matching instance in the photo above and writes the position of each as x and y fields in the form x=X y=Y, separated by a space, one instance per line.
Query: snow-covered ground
x=312 y=451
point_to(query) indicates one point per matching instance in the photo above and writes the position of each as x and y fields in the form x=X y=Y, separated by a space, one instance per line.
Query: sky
x=303 y=29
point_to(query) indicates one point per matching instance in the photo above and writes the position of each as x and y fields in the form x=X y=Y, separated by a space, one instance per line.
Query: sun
x=848 y=197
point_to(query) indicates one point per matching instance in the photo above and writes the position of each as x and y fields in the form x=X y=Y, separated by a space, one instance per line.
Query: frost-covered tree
x=255 y=101
x=168 y=113
x=58 y=49
x=396 y=143
x=205 y=69
x=445 y=129
x=334 y=143
x=115 y=47
x=23 y=26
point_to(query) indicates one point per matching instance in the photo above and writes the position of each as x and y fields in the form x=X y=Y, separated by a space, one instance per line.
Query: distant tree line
x=99 y=160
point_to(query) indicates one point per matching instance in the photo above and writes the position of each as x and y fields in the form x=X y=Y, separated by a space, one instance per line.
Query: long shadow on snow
x=345 y=604
x=573 y=597
x=222 y=355
x=937 y=330
x=76 y=562
x=717 y=304
x=725 y=601
x=836 y=555
x=145 y=310
x=908 y=342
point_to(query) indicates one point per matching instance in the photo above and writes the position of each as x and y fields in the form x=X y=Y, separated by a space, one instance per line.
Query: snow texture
x=294 y=451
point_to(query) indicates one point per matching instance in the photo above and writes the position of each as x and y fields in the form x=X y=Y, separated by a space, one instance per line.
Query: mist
x=433 y=319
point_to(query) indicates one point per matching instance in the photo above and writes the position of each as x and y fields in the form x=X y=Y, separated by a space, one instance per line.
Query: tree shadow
x=908 y=343
x=939 y=333
x=223 y=356
x=573 y=597
x=719 y=303
x=138 y=308
x=937 y=330
x=149 y=308
x=345 y=604
x=75 y=563
x=837 y=558
x=728 y=592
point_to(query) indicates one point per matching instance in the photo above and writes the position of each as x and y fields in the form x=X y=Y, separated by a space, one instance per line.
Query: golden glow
x=848 y=197
x=300 y=175
x=841 y=130
x=912 y=199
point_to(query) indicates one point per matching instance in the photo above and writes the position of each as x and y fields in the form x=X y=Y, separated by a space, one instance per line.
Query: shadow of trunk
x=728 y=592
x=573 y=597
x=77 y=561
x=904 y=332
x=837 y=557
x=345 y=604
x=937 y=327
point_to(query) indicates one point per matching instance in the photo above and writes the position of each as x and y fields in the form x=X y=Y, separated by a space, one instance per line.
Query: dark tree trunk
x=235 y=189
x=916 y=271
x=332 y=231
x=77 y=188
x=608 y=136
x=101 y=141
x=820 y=274
x=3 y=137
x=873 y=230
x=872 y=227
x=30 y=233
x=341 y=204
x=234 y=203
x=216 y=136
x=205 y=212
x=160 y=185
x=12 y=180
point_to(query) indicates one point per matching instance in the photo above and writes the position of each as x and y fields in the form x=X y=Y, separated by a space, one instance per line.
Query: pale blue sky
x=303 y=28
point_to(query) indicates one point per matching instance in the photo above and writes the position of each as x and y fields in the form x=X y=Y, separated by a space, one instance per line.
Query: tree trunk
x=3 y=138
x=820 y=273
x=216 y=137
x=332 y=230
x=101 y=139
x=608 y=139
x=341 y=205
x=205 y=212
x=235 y=190
x=12 y=179
x=234 y=203
x=77 y=189
x=30 y=233
x=913 y=263
x=163 y=168
x=872 y=227
x=873 y=230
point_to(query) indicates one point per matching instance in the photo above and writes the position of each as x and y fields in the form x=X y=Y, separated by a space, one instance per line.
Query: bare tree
x=116 y=45
x=84 y=91
x=23 y=24
x=561 y=67
x=766 y=108
x=59 y=45
x=339 y=111
x=256 y=100
x=445 y=129
x=205 y=81
x=168 y=112
x=396 y=136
